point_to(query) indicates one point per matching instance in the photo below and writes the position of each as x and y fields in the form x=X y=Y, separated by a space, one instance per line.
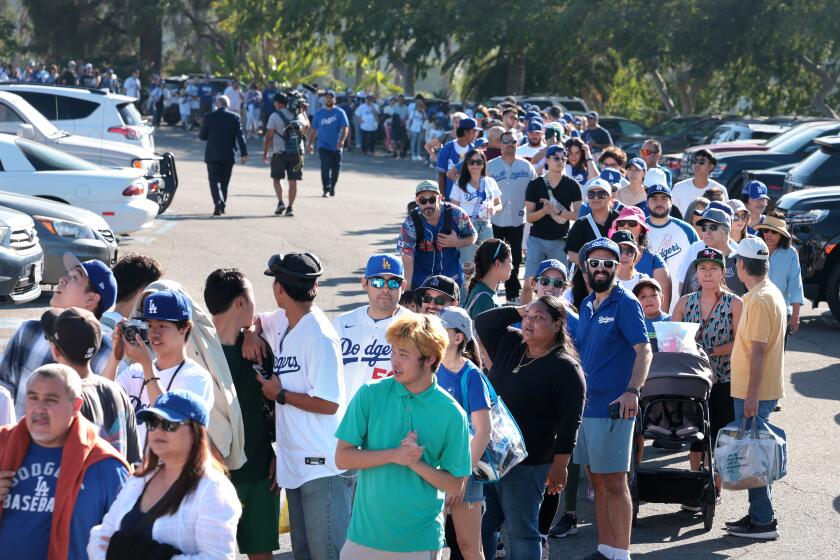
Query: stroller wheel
x=709 y=507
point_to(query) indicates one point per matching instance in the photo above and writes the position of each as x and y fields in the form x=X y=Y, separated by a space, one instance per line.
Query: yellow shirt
x=763 y=319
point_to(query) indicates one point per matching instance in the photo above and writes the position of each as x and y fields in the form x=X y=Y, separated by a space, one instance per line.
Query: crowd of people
x=73 y=74
x=140 y=422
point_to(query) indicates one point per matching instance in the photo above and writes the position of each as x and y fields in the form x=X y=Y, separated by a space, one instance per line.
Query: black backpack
x=414 y=213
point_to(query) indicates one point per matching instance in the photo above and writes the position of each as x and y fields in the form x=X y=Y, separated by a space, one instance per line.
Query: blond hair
x=426 y=333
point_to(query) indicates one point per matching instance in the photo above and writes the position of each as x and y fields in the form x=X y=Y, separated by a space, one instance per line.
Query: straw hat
x=774 y=224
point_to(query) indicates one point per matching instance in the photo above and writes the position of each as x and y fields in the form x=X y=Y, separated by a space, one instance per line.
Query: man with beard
x=431 y=235
x=669 y=237
x=331 y=126
x=365 y=352
x=615 y=355
x=436 y=293
x=535 y=143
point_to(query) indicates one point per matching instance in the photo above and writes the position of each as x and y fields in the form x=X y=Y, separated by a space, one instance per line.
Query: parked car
x=21 y=258
x=118 y=195
x=89 y=112
x=798 y=133
x=676 y=134
x=619 y=127
x=729 y=168
x=113 y=122
x=813 y=218
x=820 y=169
x=773 y=177
x=572 y=105
x=744 y=130
x=63 y=228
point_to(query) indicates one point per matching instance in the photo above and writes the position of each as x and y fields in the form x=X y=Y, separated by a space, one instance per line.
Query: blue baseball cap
x=99 y=275
x=535 y=126
x=567 y=117
x=577 y=120
x=530 y=115
x=382 y=264
x=167 y=305
x=611 y=176
x=555 y=149
x=550 y=264
x=600 y=243
x=721 y=206
x=755 y=190
x=638 y=162
x=592 y=115
x=330 y=92
x=177 y=405
x=717 y=216
x=467 y=124
x=658 y=189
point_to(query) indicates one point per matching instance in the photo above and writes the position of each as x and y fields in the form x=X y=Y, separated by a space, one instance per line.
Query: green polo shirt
x=394 y=509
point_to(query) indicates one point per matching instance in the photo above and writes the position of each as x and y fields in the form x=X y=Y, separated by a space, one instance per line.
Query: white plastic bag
x=675 y=336
x=750 y=457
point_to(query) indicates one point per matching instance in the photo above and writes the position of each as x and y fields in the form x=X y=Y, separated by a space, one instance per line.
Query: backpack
x=418 y=223
x=291 y=136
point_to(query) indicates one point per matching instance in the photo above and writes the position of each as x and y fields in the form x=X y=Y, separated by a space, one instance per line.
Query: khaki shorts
x=353 y=551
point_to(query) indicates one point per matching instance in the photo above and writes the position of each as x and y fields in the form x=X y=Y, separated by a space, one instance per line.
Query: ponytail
x=469 y=350
x=490 y=251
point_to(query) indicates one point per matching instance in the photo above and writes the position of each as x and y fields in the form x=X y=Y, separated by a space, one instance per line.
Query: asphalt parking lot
x=364 y=217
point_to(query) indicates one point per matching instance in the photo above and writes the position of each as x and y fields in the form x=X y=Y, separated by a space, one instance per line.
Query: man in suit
x=222 y=129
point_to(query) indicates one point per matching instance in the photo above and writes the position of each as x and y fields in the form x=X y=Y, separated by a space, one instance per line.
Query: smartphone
x=259 y=369
x=615 y=411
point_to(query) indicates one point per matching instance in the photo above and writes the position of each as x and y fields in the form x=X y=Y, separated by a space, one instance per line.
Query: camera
x=132 y=327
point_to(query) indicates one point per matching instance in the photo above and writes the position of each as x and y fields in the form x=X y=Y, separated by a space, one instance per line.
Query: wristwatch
x=632 y=390
x=281 y=397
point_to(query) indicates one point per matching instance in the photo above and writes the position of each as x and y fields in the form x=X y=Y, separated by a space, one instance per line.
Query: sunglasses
x=558 y=159
x=439 y=300
x=626 y=223
x=710 y=227
x=646 y=152
x=430 y=200
x=555 y=282
x=508 y=140
x=166 y=425
x=742 y=217
x=599 y=194
x=476 y=162
x=701 y=161
x=379 y=282
x=606 y=264
x=625 y=250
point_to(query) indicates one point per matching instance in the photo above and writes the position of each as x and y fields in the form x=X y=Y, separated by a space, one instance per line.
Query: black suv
x=820 y=169
x=813 y=218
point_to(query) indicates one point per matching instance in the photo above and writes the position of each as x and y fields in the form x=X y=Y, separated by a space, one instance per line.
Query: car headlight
x=800 y=217
x=718 y=170
x=64 y=228
x=4 y=235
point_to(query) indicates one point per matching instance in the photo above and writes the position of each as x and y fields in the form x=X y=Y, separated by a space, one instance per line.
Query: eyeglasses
x=439 y=300
x=710 y=227
x=700 y=161
x=558 y=159
x=626 y=223
x=606 y=264
x=646 y=152
x=741 y=217
x=166 y=425
x=555 y=282
x=379 y=282
x=430 y=200
x=625 y=250
x=476 y=162
x=599 y=194
x=508 y=140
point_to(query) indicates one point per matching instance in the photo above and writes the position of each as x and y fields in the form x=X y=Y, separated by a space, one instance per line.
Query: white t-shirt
x=671 y=242
x=365 y=352
x=367 y=117
x=694 y=250
x=190 y=376
x=415 y=121
x=235 y=97
x=684 y=193
x=470 y=201
x=630 y=284
x=528 y=151
x=308 y=360
x=132 y=87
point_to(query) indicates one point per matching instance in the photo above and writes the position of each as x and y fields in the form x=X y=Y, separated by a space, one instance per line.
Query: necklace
x=520 y=365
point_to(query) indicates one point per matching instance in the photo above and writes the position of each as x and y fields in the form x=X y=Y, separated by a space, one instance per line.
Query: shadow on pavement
x=823 y=383
x=706 y=550
x=392 y=230
x=837 y=503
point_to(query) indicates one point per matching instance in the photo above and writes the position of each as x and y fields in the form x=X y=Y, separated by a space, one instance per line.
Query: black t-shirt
x=545 y=397
x=566 y=192
x=581 y=233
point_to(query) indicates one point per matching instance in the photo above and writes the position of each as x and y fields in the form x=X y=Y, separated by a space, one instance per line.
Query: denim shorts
x=484 y=231
x=474 y=492
x=542 y=249
x=605 y=444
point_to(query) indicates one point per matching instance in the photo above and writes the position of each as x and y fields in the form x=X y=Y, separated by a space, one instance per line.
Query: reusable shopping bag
x=750 y=456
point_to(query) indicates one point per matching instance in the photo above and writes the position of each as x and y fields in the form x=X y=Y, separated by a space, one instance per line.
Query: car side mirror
x=27 y=132
x=811 y=148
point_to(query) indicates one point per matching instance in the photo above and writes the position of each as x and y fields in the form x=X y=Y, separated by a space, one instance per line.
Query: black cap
x=295 y=269
x=75 y=331
x=280 y=98
x=624 y=236
x=441 y=283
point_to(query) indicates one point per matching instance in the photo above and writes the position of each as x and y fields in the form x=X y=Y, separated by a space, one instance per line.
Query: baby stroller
x=674 y=407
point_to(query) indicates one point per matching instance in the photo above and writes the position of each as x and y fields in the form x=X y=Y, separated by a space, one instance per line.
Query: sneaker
x=766 y=532
x=546 y=554
x=289 y=211
x=500 y=550
x=325 y=194
x=280 y=208
x=332 y=191
x=566 y=526
x=738 y=523
x=691 y=507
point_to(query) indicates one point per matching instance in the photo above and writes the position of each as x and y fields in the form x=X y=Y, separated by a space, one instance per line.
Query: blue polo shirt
x=605 y=340
x=328 y=123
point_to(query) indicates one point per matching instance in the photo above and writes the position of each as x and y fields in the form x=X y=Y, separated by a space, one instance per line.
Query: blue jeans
x=416 y=144
x=761 y=506
x=515 y=500
x=330 y=165
x=319 y=514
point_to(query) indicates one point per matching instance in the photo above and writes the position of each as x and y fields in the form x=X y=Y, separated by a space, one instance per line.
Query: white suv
x=89 y=112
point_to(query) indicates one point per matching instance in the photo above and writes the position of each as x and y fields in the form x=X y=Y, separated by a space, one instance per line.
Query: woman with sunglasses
x=718 y=312
x=179 y=501
x=461 y=368
x=785 y=271
x=627 y=274
x=580 y=166
x=480 y=197
x=740 y=220
x=632 y=219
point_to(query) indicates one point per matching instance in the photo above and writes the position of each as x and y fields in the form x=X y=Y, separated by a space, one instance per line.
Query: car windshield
x=822 y=163
x=669 y=128
x=129 y=113
x=794 y=139
x=45 y=158
x=573 y=106
x=721 y=134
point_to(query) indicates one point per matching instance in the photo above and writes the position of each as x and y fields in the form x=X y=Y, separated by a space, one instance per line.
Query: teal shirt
x=480 y=299
x=394 y=509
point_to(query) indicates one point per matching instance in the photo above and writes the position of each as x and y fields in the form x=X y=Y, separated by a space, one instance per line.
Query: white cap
x=655 y=176
x=598 y=183
x=753 y=248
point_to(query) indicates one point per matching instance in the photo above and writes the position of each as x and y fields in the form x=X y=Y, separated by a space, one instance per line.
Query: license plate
x=37 y=273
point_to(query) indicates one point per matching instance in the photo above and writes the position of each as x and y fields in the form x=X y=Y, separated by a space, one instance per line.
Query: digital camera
x=132 y=327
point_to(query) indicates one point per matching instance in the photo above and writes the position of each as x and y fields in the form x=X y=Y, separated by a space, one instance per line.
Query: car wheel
x=832 y=291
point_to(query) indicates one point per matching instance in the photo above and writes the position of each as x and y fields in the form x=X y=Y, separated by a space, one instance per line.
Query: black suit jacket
x=222 y=129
